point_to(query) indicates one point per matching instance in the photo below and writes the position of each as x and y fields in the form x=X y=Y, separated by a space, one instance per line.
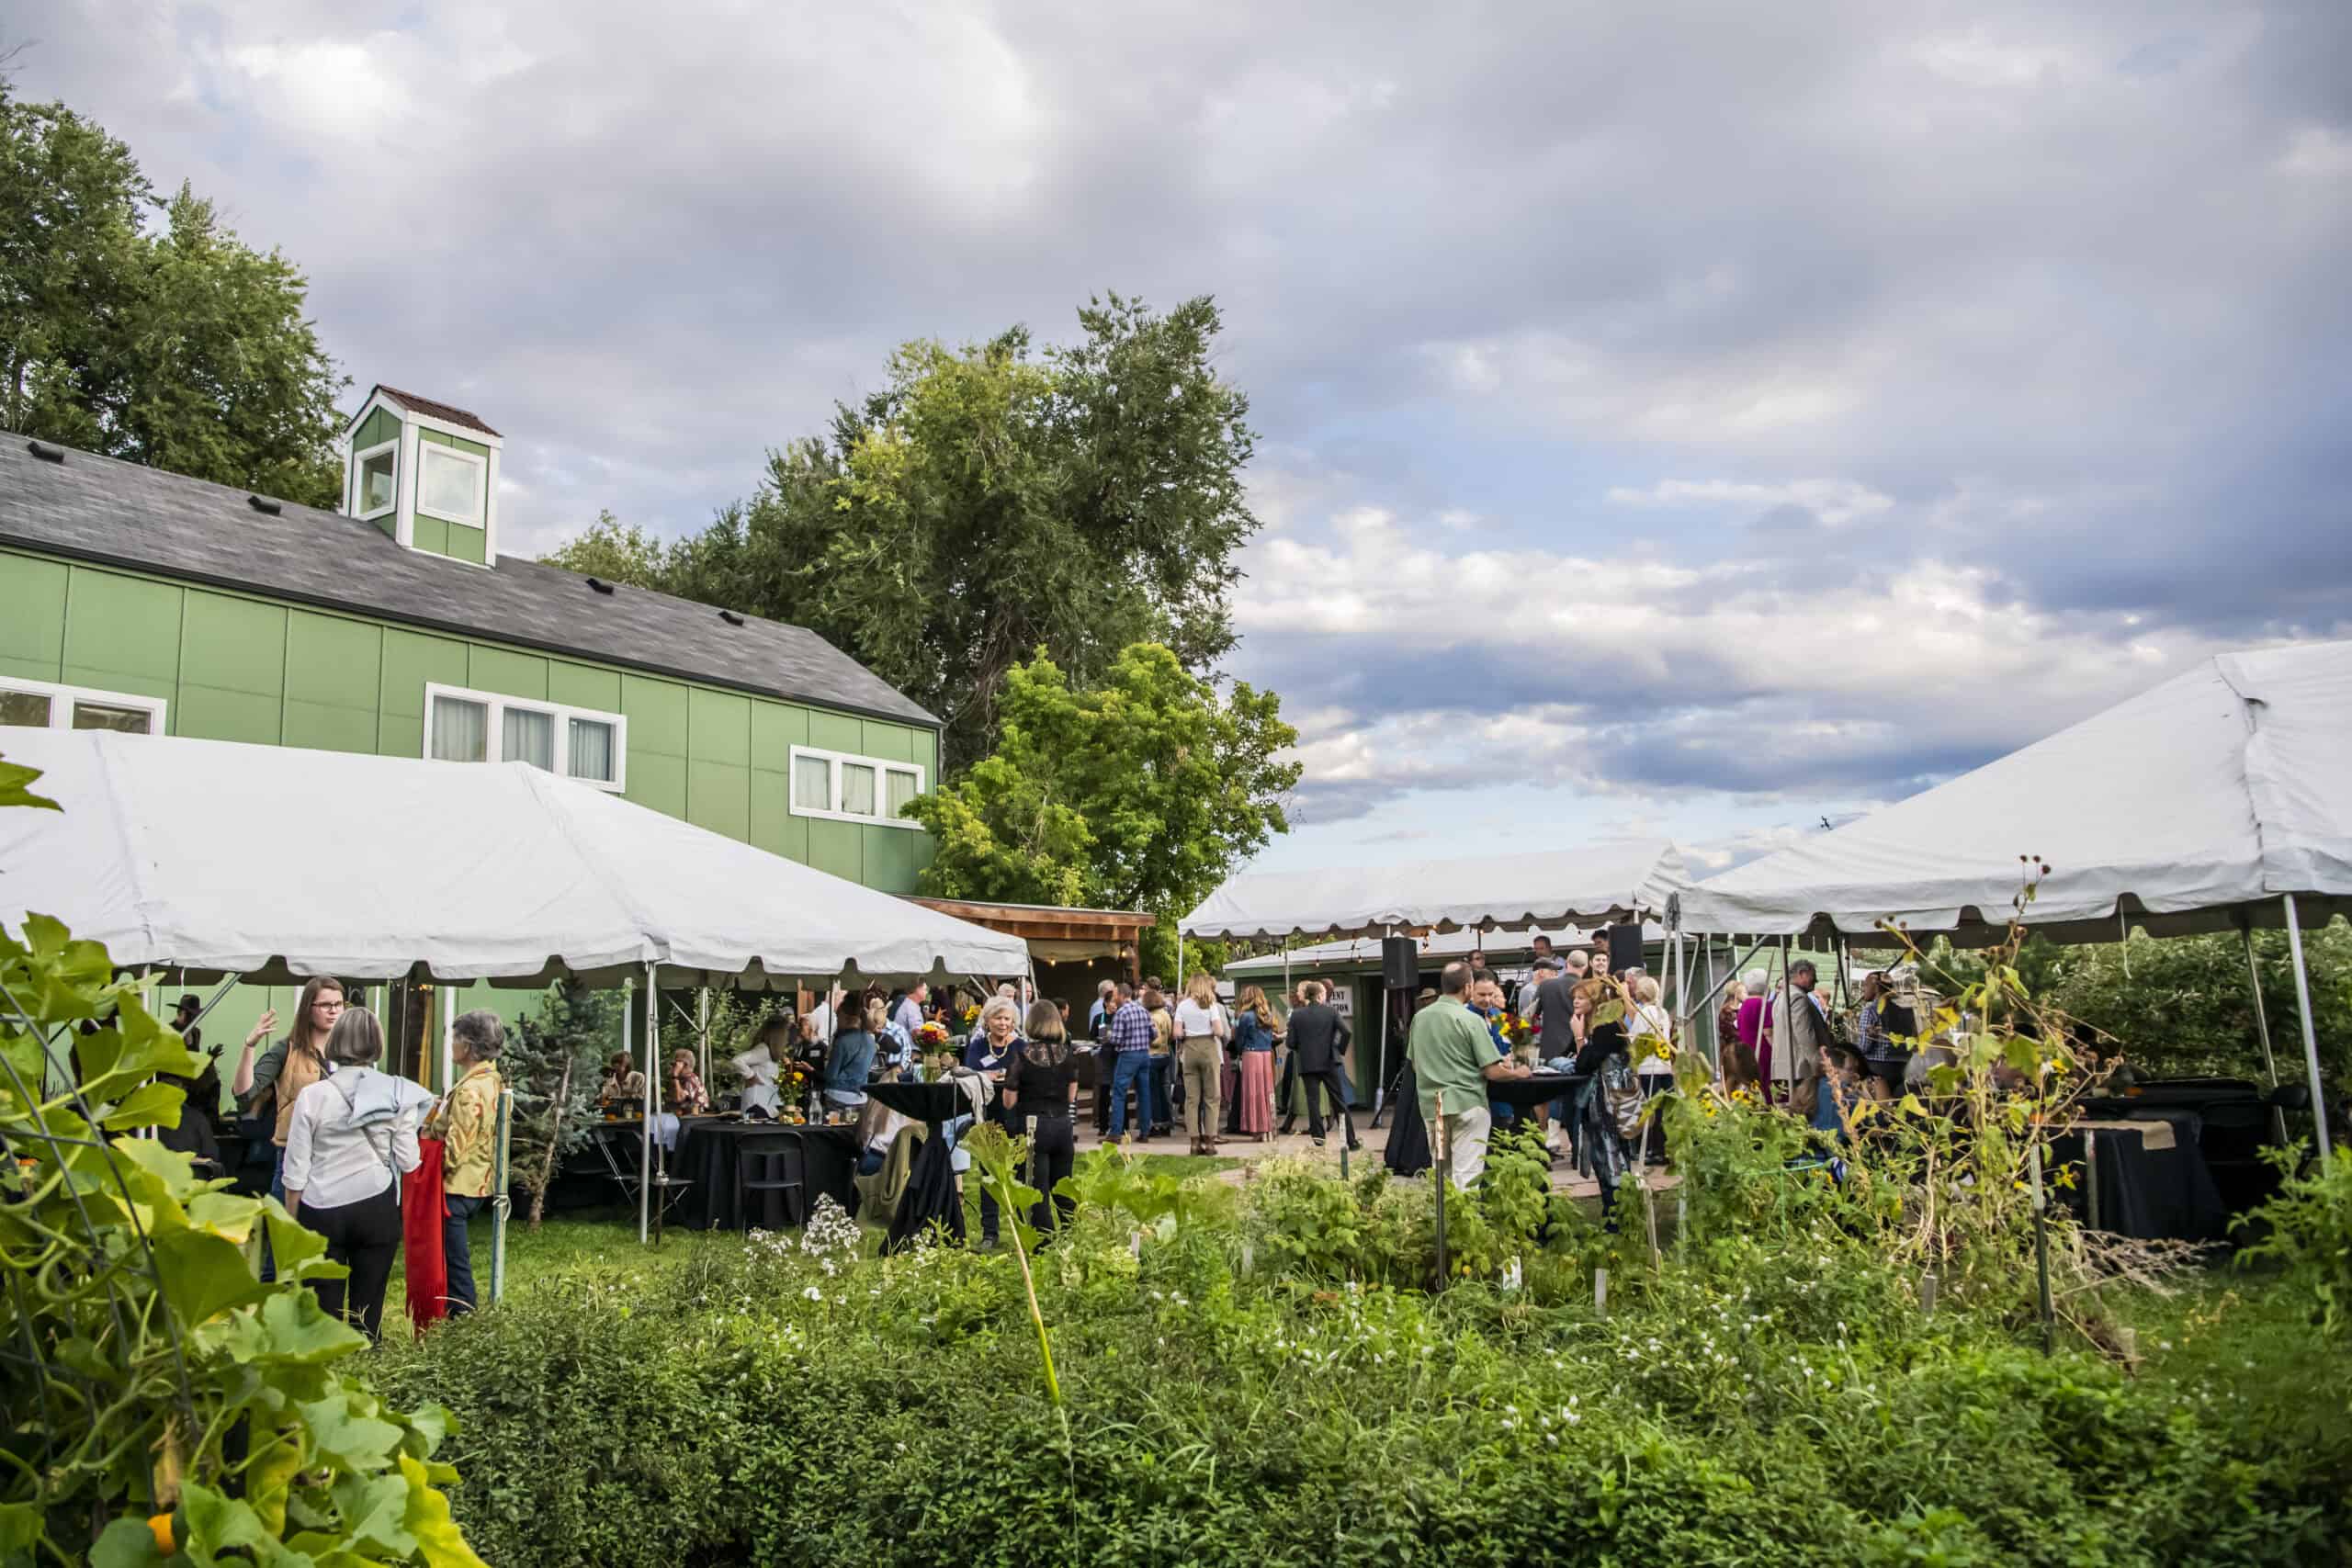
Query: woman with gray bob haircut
x=351 y=1138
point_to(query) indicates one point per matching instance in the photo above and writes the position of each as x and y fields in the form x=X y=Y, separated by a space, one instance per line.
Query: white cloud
x=2319 y=152
x=1835 y=502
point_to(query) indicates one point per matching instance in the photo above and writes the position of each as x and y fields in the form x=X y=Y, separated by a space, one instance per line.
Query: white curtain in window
x=530 y=738
x=902 y=787
x=812 y=783
x=460 y=730
x=591 y=750
x=857 y=789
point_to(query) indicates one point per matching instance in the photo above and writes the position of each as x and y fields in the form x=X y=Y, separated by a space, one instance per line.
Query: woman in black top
x=1040 y=1091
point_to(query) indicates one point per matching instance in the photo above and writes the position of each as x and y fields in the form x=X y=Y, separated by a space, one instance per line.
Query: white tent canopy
x=1586 y=886
x=272 y=863
x=2193 y=806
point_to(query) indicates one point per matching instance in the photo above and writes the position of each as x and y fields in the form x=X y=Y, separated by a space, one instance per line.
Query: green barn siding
x=429 y=535
x=237 y=667
x=381 y=426
x=475 y=448
x=32 y=618
x=467 y=543
x=125 y=626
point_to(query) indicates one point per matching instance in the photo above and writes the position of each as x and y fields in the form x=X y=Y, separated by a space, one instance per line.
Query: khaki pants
x=1465 y=1142
x=1204 y=1087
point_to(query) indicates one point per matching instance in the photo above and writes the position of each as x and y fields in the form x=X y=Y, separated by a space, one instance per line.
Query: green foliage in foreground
x=1232 y=1397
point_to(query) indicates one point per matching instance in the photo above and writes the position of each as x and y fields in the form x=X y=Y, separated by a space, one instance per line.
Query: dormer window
x=378 y=470
x=450 y=484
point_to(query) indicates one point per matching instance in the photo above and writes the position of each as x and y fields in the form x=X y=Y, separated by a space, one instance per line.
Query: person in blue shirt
x=1486 y=1003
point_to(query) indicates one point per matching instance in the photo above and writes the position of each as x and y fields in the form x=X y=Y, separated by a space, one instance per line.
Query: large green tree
x=143 y=328
x=990 y=501
x=1142 y=792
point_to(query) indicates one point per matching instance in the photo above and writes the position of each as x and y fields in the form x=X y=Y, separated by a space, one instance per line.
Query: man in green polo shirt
x=1453 y=1055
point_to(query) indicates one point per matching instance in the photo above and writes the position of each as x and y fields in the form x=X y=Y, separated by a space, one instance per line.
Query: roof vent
x=730 y=618
x=45 y=451
x=263 y=504
x=600 y=585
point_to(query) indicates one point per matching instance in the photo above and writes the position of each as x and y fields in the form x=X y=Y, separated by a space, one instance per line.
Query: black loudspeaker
x=1624 y=948
x=1400 y=963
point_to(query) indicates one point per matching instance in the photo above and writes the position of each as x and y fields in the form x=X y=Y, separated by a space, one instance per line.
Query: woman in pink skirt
x=1253 y=1042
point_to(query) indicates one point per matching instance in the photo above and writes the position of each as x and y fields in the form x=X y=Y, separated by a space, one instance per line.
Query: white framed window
x=449 y=483
x=461 y=726
x=375 y=480
x=848 y=788
x=43 y=704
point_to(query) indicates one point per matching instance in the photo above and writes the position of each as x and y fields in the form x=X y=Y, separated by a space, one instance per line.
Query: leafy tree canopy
x=990 y=501
x=1144 y=792
x=176 y=344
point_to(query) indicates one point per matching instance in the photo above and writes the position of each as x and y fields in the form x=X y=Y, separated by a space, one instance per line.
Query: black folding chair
x=771 y=1162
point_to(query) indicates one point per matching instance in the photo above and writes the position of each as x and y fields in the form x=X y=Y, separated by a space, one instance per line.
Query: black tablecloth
x=2228 y=1120
x=2143 y=1192
x=1408 y=1136
x=710 y=1153
x=931 y=1183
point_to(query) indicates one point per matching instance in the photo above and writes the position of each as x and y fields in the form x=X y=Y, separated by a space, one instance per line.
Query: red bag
x=421 y=1214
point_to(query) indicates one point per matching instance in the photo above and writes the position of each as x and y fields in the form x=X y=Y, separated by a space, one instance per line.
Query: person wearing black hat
x=204 y=1089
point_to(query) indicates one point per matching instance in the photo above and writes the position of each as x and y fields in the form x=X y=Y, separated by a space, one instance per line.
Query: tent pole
x=644 y=1122
x=1784 y=1048
x=702 y=1032
x=1180 y=963
x=2262 y=1032
x=2310 y=1038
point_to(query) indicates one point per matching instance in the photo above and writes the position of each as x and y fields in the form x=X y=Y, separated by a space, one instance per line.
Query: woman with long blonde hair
x=1253 y=1041
x=1201 y=1033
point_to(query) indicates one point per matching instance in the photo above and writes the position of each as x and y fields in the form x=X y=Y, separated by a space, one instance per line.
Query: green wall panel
x=325 y=727
x=213 y=712
x=429 y=535
x=718 y=796
x=771 y=822
x=836 y=732
x=412 y=659
x=381 y=426
x=834 y=846
x=577 y=685
x=776 y=729
x=890 y=742
x=236 y=645
x=476 y=447
x=330 y=660
x=657 y=717
x=134 y=685
x=467 y=543
x=508 y=674
x=891 y=862
x=32 y=616
x=124 y=624
x=398 y=737
x=657 y=781
x=718 y=727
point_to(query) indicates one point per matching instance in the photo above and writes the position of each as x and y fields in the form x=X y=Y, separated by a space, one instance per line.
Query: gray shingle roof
x=105 y=510
x=449 y=413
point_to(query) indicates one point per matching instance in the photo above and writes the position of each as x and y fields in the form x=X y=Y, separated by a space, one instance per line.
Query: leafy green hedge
x=1783 y=1405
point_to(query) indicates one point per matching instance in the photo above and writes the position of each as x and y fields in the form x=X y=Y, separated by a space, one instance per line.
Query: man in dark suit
x=1555 y=1007
x=1318 y=1038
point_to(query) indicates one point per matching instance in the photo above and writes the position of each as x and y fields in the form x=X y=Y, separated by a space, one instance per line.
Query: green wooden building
x=137 y=600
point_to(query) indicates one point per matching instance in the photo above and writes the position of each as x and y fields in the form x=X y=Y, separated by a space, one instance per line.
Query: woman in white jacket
x=351 y=1138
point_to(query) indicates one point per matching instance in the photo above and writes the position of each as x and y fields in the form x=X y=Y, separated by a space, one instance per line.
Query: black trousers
x=1053 y=1150
x=1326 y=1081
x=364 y=1237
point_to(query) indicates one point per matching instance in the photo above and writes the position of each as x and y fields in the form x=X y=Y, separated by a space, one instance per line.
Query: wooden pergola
x=1056 y=935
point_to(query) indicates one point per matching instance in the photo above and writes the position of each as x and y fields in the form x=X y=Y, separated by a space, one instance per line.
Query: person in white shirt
x=825 y=1016
x=352 y=1137
x=1651 y=1019
x=760 y=1067
x=1201 y=1033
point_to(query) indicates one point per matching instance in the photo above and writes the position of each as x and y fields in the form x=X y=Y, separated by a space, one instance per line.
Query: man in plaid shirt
x=1129 y=1035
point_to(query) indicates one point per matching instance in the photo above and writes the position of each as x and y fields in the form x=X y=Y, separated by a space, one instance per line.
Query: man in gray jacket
x=1808 y=1036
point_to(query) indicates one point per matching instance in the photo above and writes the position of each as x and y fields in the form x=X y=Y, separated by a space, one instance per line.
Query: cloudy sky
x=1685 y=418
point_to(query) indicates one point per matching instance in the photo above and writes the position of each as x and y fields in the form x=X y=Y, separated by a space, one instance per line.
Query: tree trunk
x=555 y=1141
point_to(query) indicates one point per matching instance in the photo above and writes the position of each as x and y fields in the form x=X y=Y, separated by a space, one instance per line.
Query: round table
x=930 y=1181
x=1408 y=1139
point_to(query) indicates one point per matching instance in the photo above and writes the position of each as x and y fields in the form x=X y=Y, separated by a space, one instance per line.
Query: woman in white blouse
x=351 y=1138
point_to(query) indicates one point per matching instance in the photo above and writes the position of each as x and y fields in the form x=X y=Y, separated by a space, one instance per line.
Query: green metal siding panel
x=466 y=542
x=126 y=626
x=890 y=861
x=836 y=732
x=718 y=796
x=718 y=727
x=657 y=717
x=325 y=727
x=333 y=661
x=577 y=685
x=397 y=736
x=890 y=742
x=508 y=674
x=834 y=847
x=378 y=428
x=236 y=645
x=776 y=729
x=771 y=822
x=32 y=615
x=455 y=443
x=429 y=535
x=411 y=659
x=214 y=713
x=658 y=781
